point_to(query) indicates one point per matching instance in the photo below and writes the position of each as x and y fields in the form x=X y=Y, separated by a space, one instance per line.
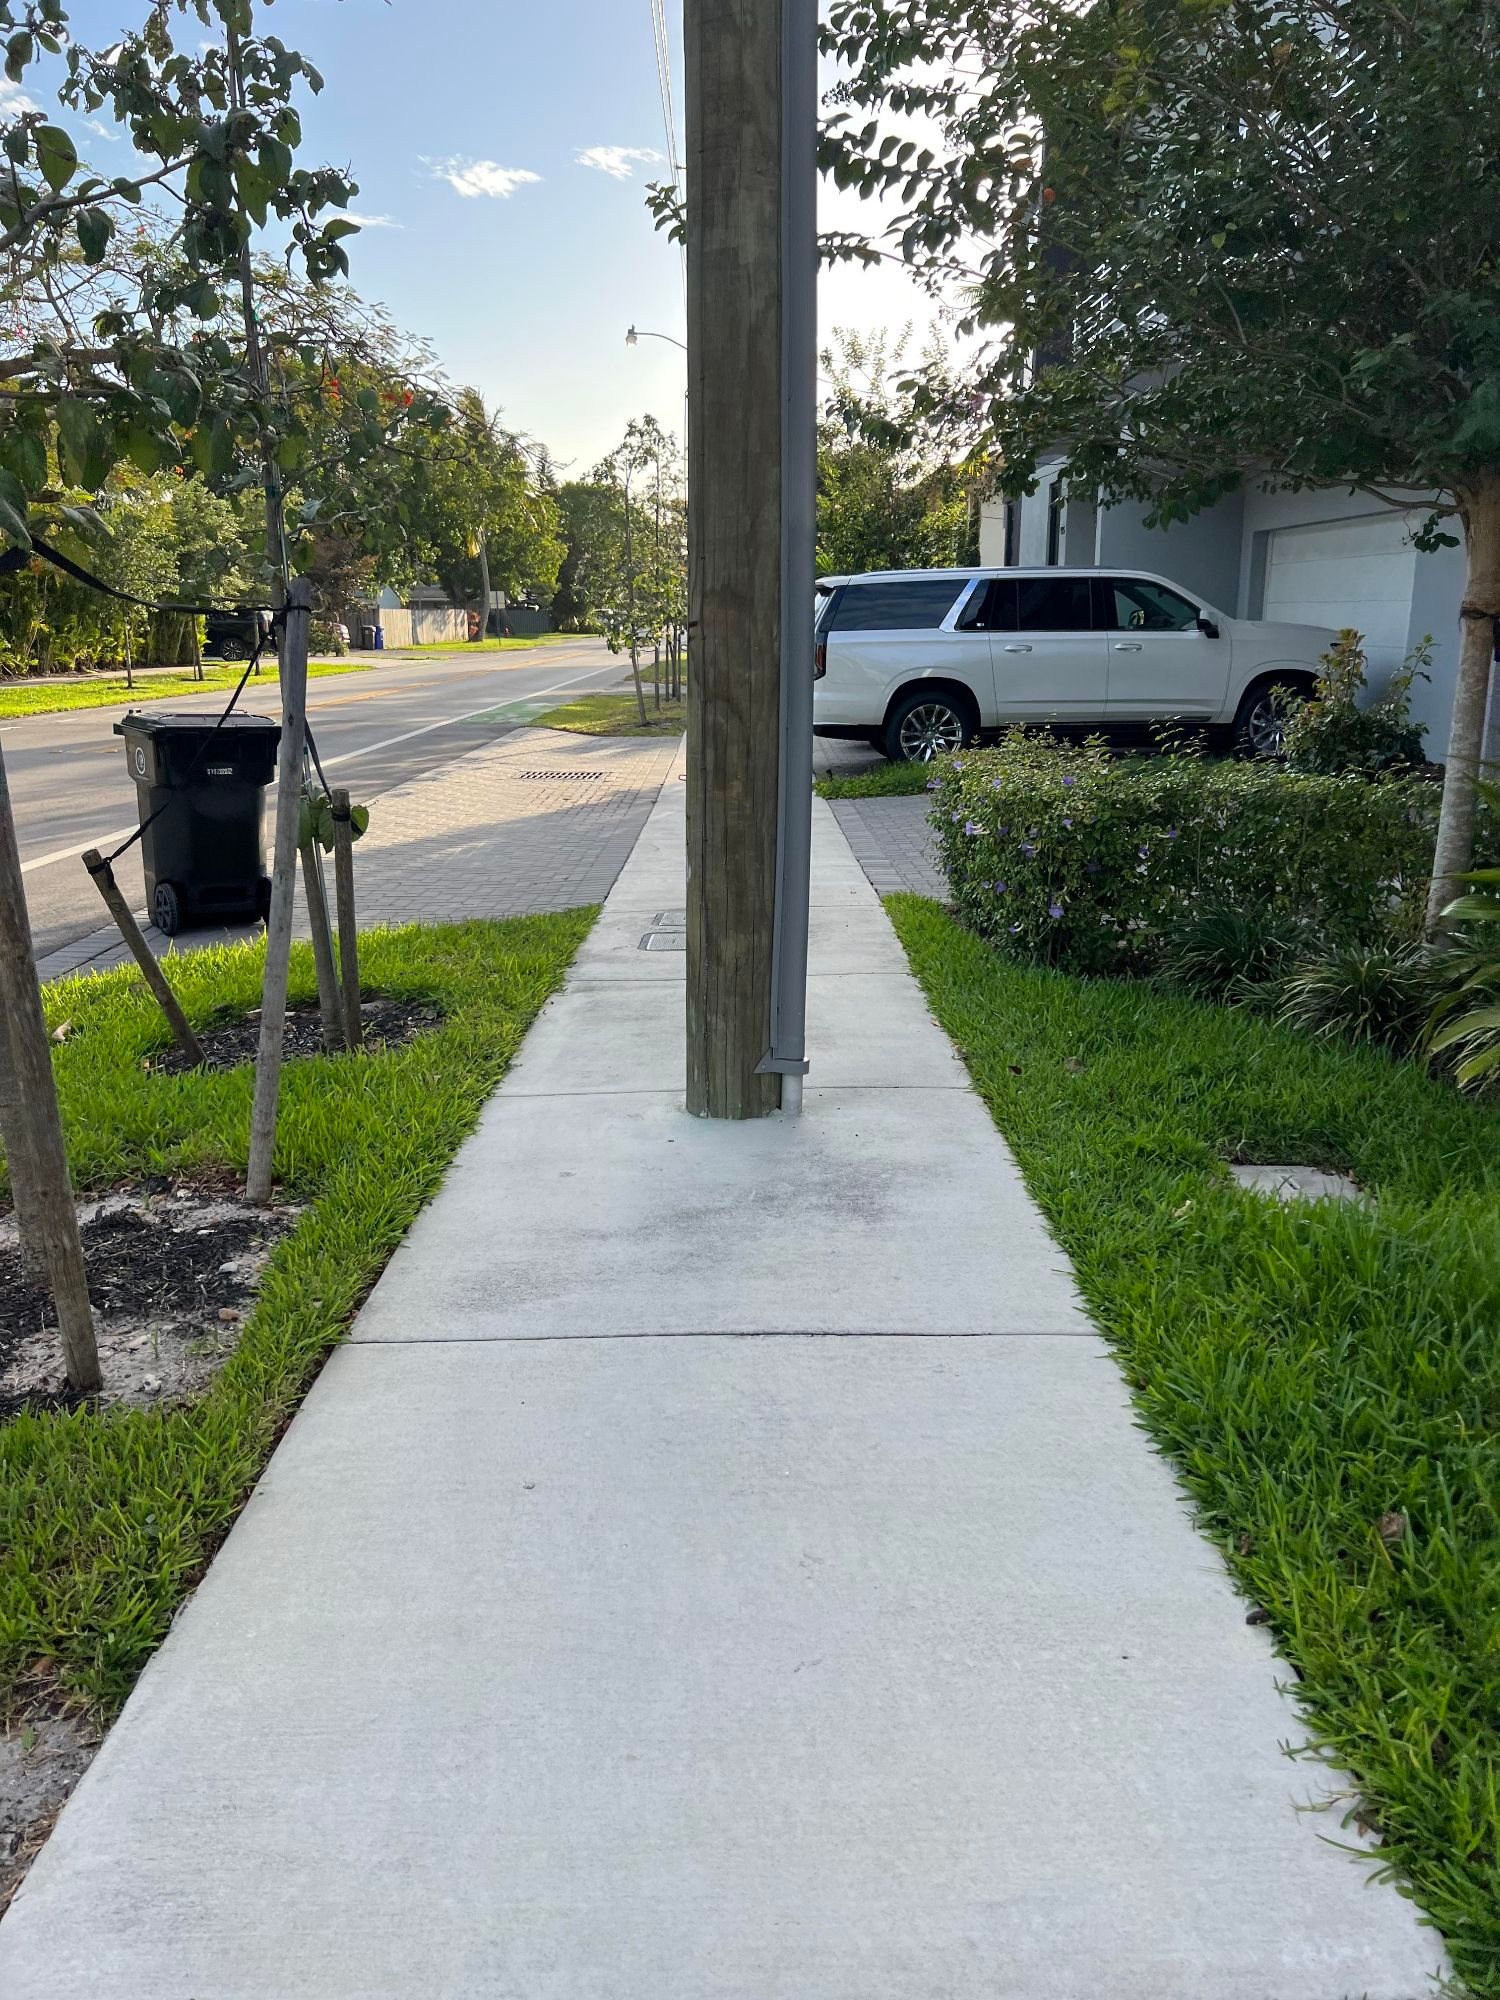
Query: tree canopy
x=1206 y=240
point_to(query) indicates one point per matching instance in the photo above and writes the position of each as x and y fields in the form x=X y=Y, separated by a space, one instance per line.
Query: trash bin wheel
x=166 y=909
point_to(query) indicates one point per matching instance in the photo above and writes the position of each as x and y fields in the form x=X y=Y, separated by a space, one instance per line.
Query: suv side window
x=920 y=605
x=1059 y=603
x=1133 y=604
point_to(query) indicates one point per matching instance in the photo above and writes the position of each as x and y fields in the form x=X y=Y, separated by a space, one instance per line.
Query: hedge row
x=1072 y=857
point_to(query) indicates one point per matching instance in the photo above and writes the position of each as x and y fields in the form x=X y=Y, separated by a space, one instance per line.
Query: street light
x=635 y=335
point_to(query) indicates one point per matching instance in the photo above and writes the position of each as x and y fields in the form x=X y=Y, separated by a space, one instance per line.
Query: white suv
x=919 y=662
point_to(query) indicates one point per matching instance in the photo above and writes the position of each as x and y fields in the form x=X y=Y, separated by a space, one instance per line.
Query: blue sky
x=525 y=286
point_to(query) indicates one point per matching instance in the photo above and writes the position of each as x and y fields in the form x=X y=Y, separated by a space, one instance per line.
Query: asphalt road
x=71 y=791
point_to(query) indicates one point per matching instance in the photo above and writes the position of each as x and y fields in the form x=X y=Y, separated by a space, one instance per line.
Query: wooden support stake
x=145 y=958
x=15 y=1136
x=50 y=1211
x=330 y=1005
x=343 y=889
x=259 y=1177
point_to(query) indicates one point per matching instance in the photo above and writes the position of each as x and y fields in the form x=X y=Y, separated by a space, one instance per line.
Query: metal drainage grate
x=664 y=941
x=669 y=920
x=558 y=777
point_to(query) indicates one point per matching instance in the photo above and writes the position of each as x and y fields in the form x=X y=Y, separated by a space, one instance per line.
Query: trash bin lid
x=140 y=723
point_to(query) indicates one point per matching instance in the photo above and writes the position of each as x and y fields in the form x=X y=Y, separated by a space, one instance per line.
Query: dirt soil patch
x=388 y=1024
x=172 y=1275
x=42 y=1757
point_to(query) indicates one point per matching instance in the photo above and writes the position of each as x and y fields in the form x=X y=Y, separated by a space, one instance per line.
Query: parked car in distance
x=921 y=662
x=231 y=635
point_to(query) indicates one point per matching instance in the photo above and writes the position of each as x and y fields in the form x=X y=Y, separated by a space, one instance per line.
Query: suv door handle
x=1018 y=649
x=1128 y=646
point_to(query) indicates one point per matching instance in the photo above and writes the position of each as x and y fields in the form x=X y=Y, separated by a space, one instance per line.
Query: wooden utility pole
x=45 y=1207
x=751 y=234
x=258 y=1180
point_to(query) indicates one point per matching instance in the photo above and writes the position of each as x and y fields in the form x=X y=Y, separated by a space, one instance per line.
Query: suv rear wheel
x=1260 y=726
x=923 y=726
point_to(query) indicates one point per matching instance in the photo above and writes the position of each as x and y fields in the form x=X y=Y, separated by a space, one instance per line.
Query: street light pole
x=752 y=93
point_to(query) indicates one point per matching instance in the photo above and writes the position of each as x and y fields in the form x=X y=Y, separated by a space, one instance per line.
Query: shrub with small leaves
x=1063 y=854
x=1335 y=732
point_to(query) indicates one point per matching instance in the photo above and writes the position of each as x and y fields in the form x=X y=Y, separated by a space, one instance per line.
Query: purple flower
x=1171 y=833
x=1003 y=831
x=972 y=827
x=1054 y=909
x=955 y=817
x=1027 y=849
x=1144 y=853
x=1002 y=888
x=1070 y=781
x=997 y=784
x=934 y=784
x=1068 y=824
x=957 y=765
x=1014 y=929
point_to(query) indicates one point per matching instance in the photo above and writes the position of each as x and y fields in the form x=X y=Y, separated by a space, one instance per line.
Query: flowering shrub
x=1064 y=854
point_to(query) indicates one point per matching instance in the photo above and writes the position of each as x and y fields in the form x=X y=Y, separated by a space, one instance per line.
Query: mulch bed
x=171 y=1277
x=388 y=1024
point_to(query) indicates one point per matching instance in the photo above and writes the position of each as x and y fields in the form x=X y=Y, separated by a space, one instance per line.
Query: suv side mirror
x=1208 y=628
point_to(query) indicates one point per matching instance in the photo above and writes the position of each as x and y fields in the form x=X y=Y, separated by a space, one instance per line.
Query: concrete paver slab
x=709 y=1670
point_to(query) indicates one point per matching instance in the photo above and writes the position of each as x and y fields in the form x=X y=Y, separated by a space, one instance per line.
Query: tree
x=1255 y=238
x=885 y=501
x=592 y=526
x=643 y=577
x=486 y=521
x=130 y=363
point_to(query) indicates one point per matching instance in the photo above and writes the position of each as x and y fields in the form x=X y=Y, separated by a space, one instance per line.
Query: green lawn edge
x=59 y=697
x=614 y=715
x=1311 y=1372
x=881 y=781
x=107 y=1520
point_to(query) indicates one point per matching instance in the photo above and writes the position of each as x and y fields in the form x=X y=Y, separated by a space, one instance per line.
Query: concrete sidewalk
x=577 y=1647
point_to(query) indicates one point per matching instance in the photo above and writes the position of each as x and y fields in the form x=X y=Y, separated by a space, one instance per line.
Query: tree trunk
x=635 y=657
x=259 y=1177
x=46 y=1211
x=20 y=1160
x=1480 y=509
x=484 y=588
x=330 y=1000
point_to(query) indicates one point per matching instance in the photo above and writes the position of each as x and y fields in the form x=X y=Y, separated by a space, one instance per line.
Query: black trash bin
x=204 y=851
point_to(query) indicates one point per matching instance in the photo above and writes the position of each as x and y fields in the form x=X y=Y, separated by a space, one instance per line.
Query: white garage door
x=1339 y=573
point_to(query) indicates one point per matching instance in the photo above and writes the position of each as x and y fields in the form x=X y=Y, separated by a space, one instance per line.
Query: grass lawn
x=881 y=781
x=110 y=691
x=615 y=715
x=1325 y=1378
x=107 y=1521
x=489 y=645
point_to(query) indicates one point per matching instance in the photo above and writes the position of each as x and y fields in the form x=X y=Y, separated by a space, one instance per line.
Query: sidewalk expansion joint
x=727 y=1333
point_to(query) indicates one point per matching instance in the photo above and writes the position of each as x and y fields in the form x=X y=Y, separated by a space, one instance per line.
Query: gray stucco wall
x=1203 y=554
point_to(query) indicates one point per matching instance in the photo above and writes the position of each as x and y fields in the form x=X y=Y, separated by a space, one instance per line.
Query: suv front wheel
x=1260 y=726
x=923 y=726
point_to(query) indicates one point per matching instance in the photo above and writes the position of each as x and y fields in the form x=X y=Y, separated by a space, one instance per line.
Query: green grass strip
x=55 y=696
x=1312 y=1371
x=615 y=715
x=107 y=1520
x=881 y=781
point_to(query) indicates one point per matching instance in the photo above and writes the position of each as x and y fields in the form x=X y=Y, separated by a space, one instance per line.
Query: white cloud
x=101 y=131
x=619 y=162
x=14 y=103
x=472 y=178
x=372 y=221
